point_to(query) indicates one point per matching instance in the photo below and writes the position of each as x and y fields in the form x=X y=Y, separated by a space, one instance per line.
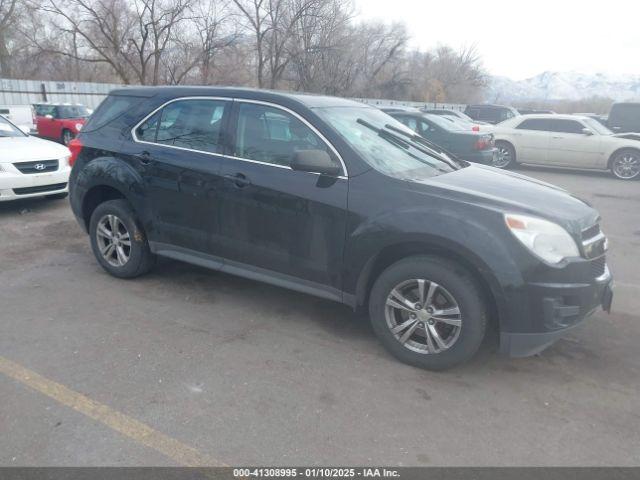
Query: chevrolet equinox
x=337 y=199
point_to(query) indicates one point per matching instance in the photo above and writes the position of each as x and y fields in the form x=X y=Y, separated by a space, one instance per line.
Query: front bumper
x=562 y=307
x=15 y=185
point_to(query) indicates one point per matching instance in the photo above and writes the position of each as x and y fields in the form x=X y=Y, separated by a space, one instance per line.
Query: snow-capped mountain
x=564 y=86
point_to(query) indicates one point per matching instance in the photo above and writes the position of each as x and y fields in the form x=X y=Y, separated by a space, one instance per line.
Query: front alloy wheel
x=423 y=316
x=428 y=311
x=626 y=165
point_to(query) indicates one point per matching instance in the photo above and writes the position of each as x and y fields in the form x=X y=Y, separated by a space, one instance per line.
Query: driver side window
x=270 y=135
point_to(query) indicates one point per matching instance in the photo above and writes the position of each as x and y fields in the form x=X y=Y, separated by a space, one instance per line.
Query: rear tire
x=506 y=155
x=455 y=290
x=66 y=137
x=118 y=240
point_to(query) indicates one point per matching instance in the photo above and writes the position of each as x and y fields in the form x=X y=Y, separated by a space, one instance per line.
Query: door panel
x=532 y=146
x=570 y=147
x=272 y=217
x=179 y=154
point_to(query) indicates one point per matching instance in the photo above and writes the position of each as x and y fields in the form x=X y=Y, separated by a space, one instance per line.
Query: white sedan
x=31 y=167
x=568 y=141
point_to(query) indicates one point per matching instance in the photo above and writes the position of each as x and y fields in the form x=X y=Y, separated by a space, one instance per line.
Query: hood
x=506 y=191
x=628 y=136
x=24 y=149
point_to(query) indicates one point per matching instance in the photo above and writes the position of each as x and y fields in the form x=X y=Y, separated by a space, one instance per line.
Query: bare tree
x=310 y=45
x=9 y=12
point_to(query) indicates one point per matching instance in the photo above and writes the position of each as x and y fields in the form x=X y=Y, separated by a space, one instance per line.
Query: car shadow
x=26 y=205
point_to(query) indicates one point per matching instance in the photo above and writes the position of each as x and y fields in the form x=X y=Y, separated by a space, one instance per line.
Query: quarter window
x=270 y=135
x=192 y=124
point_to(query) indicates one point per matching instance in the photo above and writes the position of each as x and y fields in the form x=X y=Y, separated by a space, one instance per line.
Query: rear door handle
x=240 y=180
x=144 y=158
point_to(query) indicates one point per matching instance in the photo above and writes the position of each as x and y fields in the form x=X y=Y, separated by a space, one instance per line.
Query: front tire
x=118 y=241
x=428 y=312
x=506 y=156
x=625 y=165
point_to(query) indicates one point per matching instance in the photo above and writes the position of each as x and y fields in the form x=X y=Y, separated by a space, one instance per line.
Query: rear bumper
x=562 y=308
x=484 y=157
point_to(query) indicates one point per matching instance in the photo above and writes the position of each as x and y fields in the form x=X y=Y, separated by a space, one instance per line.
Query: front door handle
x=239 y=179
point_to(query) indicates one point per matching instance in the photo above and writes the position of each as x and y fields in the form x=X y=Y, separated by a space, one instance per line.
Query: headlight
x=78 y=126
x=547 y=240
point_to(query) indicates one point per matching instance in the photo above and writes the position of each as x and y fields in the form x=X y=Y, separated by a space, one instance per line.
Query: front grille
x=39 y=189
x=598 y=266
x=594 y=243
x=41 y=166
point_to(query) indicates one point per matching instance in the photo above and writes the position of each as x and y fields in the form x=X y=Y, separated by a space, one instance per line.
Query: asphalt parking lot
x=189 y=366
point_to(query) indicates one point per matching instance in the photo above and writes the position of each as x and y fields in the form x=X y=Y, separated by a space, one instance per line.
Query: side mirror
x=315 y=161
x=24 y=129
x=49 y=116
x=587 y=132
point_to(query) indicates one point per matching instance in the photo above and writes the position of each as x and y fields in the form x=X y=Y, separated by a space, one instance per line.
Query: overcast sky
x=520 y=39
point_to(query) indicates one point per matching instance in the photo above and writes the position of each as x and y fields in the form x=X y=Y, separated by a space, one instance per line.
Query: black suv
x=490 y=113
x=337 y=199
x=624 y=117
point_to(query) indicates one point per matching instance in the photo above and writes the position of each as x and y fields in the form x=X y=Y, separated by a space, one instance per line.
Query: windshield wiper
x=430 y=145
x=402 y=143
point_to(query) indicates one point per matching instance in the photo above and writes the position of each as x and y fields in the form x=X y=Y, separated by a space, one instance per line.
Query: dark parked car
x=337 y=199
x=624 y=117
x=533 y=111
x=490 y=113
x=451 y=136
x=452 y=113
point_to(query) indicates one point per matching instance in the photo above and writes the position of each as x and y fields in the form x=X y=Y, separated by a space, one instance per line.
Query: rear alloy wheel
x=114 y=241
x=506 y=156
x=626 y=165
x=428 y=312
x=118 y=241
x=67 y=136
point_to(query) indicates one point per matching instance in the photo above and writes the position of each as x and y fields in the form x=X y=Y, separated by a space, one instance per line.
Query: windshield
x=386 y=150
x=8 y=129
x=73 y=111
x=597 y=127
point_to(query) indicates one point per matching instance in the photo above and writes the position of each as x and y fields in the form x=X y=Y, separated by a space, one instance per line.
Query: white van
x=23 y=116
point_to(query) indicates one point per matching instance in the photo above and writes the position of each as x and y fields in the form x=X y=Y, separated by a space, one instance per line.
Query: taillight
x=475 y=128
x=75 y=146
x=483 y=143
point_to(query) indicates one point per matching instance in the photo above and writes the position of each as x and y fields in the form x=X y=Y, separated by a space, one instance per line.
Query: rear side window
x=539 y=124
x=411 y=122
x=111 y=108
x=270 y=135
x=191 y=124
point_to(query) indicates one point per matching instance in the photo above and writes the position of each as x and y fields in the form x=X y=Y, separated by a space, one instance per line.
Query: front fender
x=472 y=238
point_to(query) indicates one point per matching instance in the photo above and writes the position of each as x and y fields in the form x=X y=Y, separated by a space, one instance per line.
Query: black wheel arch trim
x=109 y=172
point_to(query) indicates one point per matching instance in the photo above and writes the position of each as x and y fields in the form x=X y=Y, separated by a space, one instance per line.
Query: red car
x=61 y=121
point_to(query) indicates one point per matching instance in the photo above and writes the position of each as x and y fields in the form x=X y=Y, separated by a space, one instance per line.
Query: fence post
x=43 y=90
